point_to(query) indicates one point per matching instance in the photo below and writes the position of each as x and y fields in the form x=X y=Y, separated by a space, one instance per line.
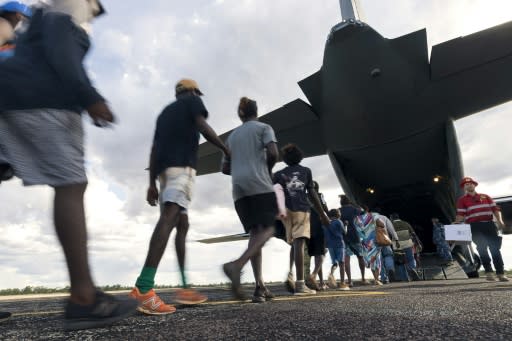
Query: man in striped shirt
x=478 y=210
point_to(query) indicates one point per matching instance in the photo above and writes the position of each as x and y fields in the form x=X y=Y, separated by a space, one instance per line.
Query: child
x=335 y=244
x=438 y=237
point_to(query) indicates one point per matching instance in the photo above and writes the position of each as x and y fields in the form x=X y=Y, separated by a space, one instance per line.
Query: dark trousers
x=485 y=236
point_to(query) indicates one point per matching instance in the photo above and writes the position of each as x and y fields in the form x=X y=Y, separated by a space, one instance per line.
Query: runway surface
x=427 y=310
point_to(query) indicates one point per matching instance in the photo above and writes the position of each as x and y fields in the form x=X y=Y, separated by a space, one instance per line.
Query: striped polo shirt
x=476 y=208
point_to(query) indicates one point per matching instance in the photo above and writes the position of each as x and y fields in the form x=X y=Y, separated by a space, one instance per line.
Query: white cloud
x=233 y=48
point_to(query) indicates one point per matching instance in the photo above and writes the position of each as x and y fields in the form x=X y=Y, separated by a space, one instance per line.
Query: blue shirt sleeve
x=65 y=47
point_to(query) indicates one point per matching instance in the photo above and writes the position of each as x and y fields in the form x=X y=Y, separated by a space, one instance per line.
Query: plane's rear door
x=505 y=203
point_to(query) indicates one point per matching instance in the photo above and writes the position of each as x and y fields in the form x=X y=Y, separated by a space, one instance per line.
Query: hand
x=500 y=225
x=227 y=154
x=100 y=114
x=152 y=195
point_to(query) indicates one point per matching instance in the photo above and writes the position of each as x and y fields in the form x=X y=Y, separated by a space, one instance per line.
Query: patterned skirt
x=43 y=146
x=365 y=226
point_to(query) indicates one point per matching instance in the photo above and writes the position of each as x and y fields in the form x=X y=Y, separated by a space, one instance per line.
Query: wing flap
x=471 y=51
x=294 y=122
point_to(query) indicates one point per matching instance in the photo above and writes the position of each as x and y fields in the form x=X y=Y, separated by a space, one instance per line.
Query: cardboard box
x=458 y=232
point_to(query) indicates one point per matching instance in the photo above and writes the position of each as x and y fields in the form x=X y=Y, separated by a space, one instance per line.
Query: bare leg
x=307 y=261
x=256 y=259
x=319 y=260
x=347 y=269
x=361 y=267
x=168 y=219
x=69 y=219
x=298 y=245
x=292 y=257
x=179 y=242
x=256 y=241
x=342 y=272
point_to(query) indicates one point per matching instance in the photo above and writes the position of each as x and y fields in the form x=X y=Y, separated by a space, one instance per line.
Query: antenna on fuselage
x=351 y=14
x=351 y=10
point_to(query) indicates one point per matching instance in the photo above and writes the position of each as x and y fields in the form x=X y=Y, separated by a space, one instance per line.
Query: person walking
x=173 y=161
x=41 y=139
x=442 y=247
x=253 y=155
x=366 y=225
x=316 y=245
x=405 y=234
x=334 y=233
x=352 y=239
x=297 y=182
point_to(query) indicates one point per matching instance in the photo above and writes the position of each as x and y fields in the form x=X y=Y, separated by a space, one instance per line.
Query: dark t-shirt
x=348 y=213
x=296 y=180
x=176 y=136
x=314 y=219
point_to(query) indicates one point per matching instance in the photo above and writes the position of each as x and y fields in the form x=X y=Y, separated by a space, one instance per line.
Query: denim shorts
x=354 y=249
x=337 y=254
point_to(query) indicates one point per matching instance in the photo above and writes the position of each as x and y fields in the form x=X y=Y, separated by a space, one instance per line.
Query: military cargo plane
x=384 y=113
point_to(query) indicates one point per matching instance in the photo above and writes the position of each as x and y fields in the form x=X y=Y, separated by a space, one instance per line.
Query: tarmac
x=470 y=309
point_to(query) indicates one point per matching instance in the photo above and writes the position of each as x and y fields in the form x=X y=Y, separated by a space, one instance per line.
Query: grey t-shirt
x=249 y=171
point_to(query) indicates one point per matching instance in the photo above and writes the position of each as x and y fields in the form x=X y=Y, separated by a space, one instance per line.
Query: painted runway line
x=226 y=302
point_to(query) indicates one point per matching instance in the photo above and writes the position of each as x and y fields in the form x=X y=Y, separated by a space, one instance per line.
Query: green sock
x=183 y=279
x=146 y=280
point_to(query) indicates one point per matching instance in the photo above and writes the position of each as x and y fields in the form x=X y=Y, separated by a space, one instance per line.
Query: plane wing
x=462 y=67
x=223 y=239
x=295 y=122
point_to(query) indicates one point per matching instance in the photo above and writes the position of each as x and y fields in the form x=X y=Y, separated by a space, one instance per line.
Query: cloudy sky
x=232 y=48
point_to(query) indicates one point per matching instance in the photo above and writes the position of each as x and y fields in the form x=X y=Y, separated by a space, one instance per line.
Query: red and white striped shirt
x=475 y=208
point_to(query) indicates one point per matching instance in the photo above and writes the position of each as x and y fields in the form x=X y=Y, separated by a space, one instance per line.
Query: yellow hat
x=187 y=85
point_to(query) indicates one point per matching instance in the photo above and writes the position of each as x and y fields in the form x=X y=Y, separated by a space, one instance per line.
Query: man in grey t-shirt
x=253 y=154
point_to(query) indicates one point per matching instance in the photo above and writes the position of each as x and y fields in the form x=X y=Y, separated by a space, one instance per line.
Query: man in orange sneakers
x=173 y=159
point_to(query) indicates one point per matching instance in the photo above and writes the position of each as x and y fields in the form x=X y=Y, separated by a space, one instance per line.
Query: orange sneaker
x=189 y=296
x=150 y=303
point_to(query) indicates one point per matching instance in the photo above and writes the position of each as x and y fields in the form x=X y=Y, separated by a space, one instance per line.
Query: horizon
x=232 y=48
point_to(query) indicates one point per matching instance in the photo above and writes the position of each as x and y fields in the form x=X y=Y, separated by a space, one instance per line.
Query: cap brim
x=469 y=182
x=102 y=9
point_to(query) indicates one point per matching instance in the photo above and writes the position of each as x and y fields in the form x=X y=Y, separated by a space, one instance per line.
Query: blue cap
x=16 y=7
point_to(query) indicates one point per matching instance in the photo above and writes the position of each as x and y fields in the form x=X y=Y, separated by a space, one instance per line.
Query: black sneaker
x=261 y=295
x=4 y=316
x=106 y=310
x=6 y=172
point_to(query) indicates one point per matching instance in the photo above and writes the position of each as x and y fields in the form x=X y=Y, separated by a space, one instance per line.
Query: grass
x=116 y=287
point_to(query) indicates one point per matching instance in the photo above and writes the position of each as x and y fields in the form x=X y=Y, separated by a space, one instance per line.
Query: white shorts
x=176 y=185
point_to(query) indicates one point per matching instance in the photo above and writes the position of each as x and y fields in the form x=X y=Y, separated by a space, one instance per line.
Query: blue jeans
x=409 y=256
x=388 y=263
x=401 y=271
x=485 y=237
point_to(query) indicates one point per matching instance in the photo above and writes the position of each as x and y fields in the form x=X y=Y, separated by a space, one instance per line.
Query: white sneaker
x=290 y=283
x=343 y=287
x=490 y=276
x=503 y=278
x=331 y=282
x=301 y=289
